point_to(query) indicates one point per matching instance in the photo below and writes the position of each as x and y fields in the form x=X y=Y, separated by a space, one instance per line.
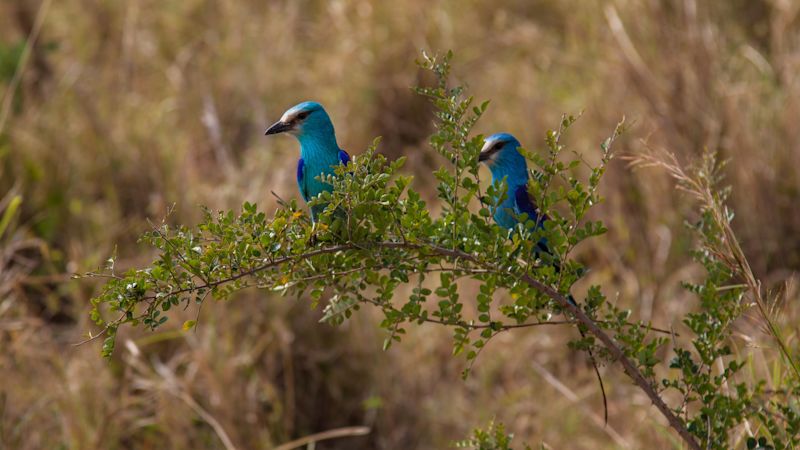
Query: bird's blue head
x=309 y=123
x=501 y=154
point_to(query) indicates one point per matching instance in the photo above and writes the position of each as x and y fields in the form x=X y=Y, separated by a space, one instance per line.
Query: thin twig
x=572 y=397
x=324 y=436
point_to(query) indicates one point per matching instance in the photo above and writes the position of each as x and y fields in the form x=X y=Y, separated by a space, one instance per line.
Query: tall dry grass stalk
x=703 y=183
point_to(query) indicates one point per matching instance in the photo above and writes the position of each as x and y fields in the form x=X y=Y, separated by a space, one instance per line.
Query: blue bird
x=501 y=154
x=319 y=151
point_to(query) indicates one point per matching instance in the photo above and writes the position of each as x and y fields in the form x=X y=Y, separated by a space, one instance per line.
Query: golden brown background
x=125 y=108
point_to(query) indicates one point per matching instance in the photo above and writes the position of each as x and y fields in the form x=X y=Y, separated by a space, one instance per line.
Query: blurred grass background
x=125 y=109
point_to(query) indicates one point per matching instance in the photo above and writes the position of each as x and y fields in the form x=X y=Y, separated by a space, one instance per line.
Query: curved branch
x=614 y=348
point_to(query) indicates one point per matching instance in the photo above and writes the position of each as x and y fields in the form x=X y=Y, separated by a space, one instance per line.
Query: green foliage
x=714 y=400
x=377 y=234
x=494 y=437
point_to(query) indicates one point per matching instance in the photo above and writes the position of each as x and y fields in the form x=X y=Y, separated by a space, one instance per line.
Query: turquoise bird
x=319 y=151
x=501 y=154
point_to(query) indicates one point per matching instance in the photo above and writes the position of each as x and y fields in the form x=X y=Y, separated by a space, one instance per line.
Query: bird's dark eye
x=302 y=115
x=498 y=146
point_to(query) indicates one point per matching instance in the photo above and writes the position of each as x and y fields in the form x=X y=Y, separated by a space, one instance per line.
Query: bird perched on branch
x=501 y=154
x=319 y=151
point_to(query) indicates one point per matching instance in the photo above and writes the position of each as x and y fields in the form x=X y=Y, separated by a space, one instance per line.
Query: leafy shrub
x=377 y=233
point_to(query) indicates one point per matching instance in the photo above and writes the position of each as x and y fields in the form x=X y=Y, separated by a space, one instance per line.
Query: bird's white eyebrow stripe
x=491 y=147
x=488 y=143
x=288 y=116
x=291 y=114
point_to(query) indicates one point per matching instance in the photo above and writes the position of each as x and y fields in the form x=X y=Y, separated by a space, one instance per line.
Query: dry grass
x=126 y=108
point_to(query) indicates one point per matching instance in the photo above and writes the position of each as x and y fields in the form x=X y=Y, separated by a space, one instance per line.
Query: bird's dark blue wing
x=344 y=158
x=526 y=205
x=301 y=179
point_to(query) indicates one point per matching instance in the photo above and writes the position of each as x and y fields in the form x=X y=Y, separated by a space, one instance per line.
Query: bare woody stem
x=630 y=368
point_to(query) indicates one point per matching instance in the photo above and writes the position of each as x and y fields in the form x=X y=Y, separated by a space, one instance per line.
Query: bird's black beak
x=483 y=156
x=278 y=127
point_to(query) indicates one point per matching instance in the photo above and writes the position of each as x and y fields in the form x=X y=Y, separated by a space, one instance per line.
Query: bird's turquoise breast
x=505 y=214
x=316 y=166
